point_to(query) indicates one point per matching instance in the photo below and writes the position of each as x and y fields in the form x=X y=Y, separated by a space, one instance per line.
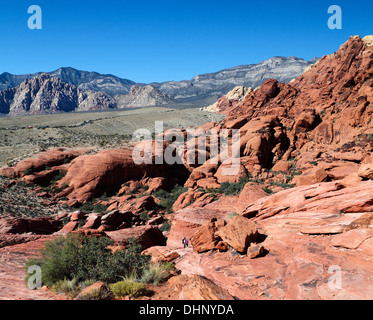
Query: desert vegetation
x=72 y=263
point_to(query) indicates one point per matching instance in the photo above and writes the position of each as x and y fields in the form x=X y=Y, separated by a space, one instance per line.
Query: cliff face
x=143 y=97
x=84 y=80
x=46 y=94
x=209 y=87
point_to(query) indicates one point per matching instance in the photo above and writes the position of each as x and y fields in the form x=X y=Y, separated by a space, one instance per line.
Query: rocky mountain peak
x=143 y=96
x=47 y=94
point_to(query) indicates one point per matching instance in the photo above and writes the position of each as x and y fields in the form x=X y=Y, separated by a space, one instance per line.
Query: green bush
x=166 y=226
x=229 y=189
x=96 y=294
x=156 y=273
x=28 y=171
x=58 y=177
x=99 y=208
x=81 y=258
x=57 y=259
x=268 y=191
x=89 y=207
x=283 y=185
x=129 y=288
x=69 y=287
x=169 y=198
x=144 y=216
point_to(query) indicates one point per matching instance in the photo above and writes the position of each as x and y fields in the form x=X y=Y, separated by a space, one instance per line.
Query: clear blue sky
x=161 y=40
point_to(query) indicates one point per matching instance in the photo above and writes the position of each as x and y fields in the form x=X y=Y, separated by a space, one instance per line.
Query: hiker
x=185 y=241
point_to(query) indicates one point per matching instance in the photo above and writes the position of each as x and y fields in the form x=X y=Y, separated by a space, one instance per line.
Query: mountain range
x=47 y=94
x=92 y=90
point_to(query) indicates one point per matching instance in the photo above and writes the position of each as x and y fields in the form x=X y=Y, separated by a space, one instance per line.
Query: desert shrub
x=268 y=191
x=64 y=186
x=98 y=263
x=99 y=208
x=161 y=194
x=144 y=216
x=283 y=185
x=128 y=287
x=69 y=287
x=157 y=273
x=58 y=177
x=28 y=171
x=166 y=226
x=57 y=259
x=82 y=258
x=231 y=188
x=169 y=198
x=232 y=215
x=96 y=294
x=99 y=293
x=104 y=196
x=88 y=207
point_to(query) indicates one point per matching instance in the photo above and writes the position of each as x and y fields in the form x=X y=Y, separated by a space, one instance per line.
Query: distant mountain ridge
x=83 y=80
x=48 y=94
x=202 y=89
x=211 y=86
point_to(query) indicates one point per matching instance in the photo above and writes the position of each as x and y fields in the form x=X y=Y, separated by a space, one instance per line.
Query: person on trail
x=185 y=241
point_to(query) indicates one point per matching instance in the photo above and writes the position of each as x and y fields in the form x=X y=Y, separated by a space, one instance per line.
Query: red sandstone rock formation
x=280 y=246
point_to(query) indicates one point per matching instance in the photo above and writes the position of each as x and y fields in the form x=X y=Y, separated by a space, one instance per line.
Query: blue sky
x=162 y=40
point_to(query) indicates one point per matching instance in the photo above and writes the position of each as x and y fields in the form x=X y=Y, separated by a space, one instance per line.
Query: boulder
x=93 y=221
x=138 y=205
x=205 y=239
x=239 y=233
x=281 y=166
x=351 y=179
x=192 y=199
x=41 y=226
x=68 y=227
x=312 y=176
x=51 y=158
x=98 y=289
x=250 y=194
x=148 y=236
x=114 y=219
x=156 y=184
x=366 y=171
x=197 y=287
x=186 y=222
x=161 y=254
x=255 y=251
x=91 y=175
